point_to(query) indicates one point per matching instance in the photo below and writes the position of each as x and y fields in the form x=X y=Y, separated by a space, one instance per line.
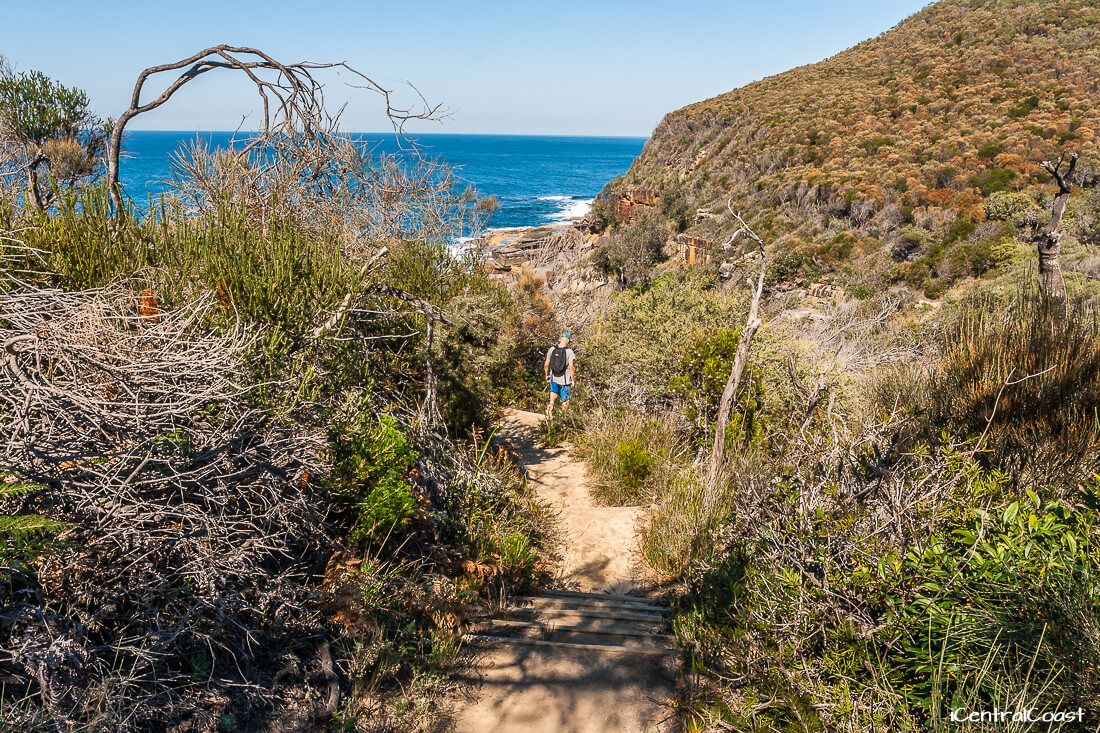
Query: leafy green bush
x=1022 y=583
x=603 y=212
x=1009 y=206
x=675 y=209
x=910 y=242
x=52 y=138
x=274 y=276
x=1026 y=106
x=638 y=346
x=634 y=249
x=371 y=471
x=704 y=369
x=990 y=246
x=842 y=613
x=992 y=180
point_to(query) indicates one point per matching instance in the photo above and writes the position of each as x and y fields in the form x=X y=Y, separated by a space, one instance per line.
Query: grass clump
x=1023 y=377
x=628 y=455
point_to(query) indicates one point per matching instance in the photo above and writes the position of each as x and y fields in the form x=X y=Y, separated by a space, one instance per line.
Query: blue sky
x=589 y=68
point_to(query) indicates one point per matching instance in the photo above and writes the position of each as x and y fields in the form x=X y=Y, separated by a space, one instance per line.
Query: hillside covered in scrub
x=881 y=163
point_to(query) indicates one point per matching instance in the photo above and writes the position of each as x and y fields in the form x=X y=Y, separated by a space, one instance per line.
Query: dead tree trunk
x=740 y=360
x=34 y=192
x=1048 y=239
x=292 y=98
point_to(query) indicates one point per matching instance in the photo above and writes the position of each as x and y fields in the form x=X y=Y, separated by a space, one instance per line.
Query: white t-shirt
x=569 y=356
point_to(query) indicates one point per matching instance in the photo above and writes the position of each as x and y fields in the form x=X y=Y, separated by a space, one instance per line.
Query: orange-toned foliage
x=961 y=100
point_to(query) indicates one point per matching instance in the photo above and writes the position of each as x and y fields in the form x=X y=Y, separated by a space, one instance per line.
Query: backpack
x=559 y=361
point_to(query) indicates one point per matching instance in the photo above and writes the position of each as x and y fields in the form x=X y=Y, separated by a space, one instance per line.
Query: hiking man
x=559 y=371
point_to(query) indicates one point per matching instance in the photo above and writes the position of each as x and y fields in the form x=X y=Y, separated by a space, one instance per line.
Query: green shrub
x=371 y=472
x=1009 y=206
x=53 y=141
x=992 y=180
x=675 y=209
x=876 y=142
x=990 y=150
x=990 y=246
x=847 y=613
x=910 y=242
x=1020 y=586
x=274 y=275
x=1026 y=106
x=634 y=249
x=704 y=369
x=787 y=264
x=637 y=347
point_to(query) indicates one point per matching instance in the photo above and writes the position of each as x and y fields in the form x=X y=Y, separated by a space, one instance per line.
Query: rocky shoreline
x=558 y=256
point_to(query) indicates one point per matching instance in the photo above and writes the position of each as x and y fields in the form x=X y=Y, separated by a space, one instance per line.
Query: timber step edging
x=649 y=618
x=651 y=651
x=599 y=595
x=571 y=629
x=545 y=600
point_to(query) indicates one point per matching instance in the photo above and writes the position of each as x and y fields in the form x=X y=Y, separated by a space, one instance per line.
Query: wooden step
x=589 y=613
x=590 y=603
x=552 y=628
x=574 y=635
x=602 y=597
x=652 y=651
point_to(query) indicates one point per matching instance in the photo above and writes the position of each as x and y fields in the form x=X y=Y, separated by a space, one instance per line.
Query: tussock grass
x=632 y=457
x=681 y=531
x=1023 y=378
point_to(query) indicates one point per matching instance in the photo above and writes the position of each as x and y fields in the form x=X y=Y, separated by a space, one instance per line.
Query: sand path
x=571 y=688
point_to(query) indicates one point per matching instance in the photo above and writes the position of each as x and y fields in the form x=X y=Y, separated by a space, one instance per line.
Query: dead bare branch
x=291 y=95
x=744 y=344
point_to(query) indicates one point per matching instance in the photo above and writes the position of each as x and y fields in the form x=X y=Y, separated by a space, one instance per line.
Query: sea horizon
x=413 y=134
x=537 y=179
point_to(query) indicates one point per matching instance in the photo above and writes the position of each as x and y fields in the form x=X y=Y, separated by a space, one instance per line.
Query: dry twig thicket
x=190 y=524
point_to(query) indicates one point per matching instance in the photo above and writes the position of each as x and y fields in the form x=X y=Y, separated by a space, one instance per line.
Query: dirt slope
x=567 y=688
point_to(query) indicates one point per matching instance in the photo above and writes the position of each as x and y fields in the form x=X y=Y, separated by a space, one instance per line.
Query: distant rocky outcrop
x=559 y=256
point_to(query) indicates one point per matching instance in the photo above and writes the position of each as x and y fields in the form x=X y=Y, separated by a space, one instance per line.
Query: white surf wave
x=571 y=208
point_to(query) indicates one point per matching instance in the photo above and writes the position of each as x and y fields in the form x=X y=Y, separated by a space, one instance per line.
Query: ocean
x=537 y=179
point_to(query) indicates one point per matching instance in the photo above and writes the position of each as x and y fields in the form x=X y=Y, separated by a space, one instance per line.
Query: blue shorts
x=564 y=391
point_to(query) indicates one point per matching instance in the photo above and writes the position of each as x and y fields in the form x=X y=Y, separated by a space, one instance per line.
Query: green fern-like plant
x=23 y=536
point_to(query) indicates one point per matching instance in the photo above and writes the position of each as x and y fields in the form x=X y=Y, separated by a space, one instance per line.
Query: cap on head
x=566 y=335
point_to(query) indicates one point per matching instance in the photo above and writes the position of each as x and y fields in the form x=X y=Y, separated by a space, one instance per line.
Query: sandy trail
x=518 y=688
